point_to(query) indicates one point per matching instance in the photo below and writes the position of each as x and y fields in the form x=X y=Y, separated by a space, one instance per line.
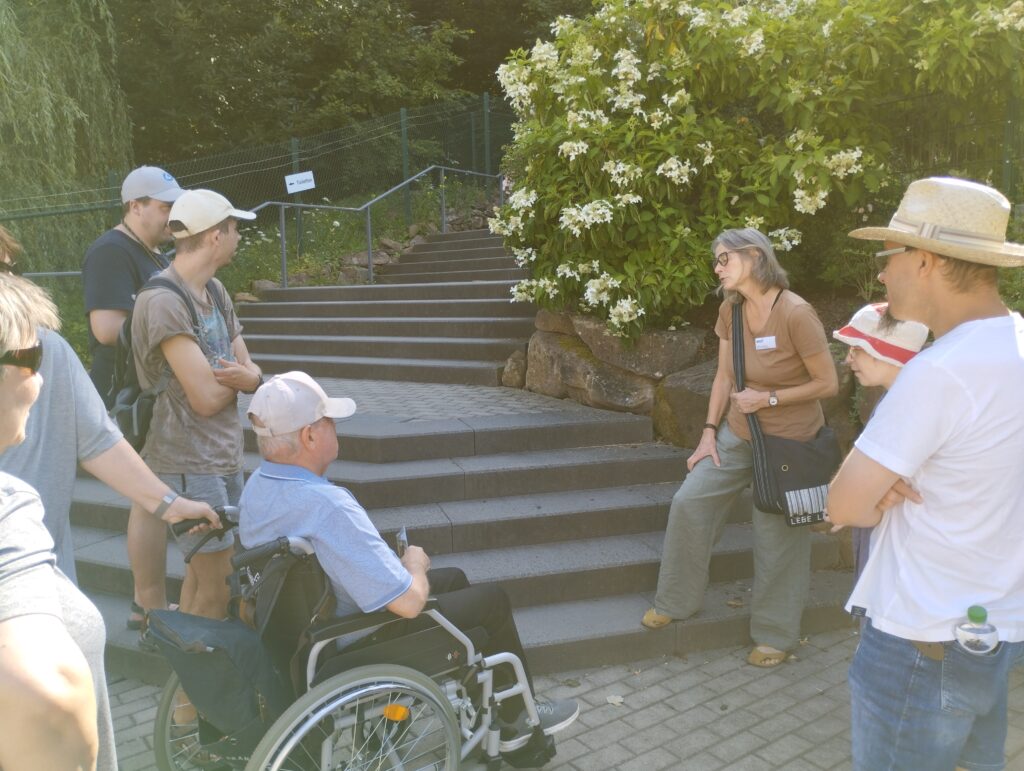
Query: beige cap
x=199 y=210
x=291 y=401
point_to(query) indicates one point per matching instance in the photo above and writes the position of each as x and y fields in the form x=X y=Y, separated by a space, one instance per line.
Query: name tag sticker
x=764 y=343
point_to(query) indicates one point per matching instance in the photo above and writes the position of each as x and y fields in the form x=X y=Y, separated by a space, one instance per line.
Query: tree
x=201 y=77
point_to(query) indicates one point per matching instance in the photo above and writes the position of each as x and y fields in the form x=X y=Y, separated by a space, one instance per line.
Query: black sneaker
x=554 y=715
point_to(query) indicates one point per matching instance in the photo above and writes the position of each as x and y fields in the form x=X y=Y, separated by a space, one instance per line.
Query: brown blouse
x=774 y=359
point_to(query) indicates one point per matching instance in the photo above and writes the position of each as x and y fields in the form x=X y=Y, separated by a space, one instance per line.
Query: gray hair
x=24 y=307
x=280 y=448
x=767 y=271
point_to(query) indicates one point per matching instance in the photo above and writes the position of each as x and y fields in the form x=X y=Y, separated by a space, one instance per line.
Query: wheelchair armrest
x=329 y=628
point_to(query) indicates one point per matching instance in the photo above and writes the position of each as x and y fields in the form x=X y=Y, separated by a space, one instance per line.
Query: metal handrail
x=283 y=206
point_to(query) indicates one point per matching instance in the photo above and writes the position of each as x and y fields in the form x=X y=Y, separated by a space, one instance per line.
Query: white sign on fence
x=296 y=183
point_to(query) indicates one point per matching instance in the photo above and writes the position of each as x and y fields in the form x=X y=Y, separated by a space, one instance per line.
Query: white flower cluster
x=567 y=270
x=512 y=226
x=625 y=311
x=562 y=24
x=655 y=71
x=598 y=291
x=584 y=55
x=515 y=80
x=808 y=202
x=626 y=70
x=522 y=199
x=698 y=16
x=800 y=137
x=576 y=219
x=785 y=239
x=657 y=118
x=544 y=56
x=585 y=119
x=753 y=44
x=571 y=150
x=826 y=28
x=680 y=97
x=1011 y=17
x=676 y=171
x=709 y=152
x=622 y=173
x=624 y=100
x=737 y=17
x=531 y=289
x=524 y=256
x=627 y=198
x=844 y=163
x=754 y=221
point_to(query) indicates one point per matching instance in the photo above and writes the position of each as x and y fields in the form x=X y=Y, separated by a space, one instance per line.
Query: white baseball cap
x=150 y=182
x=291 y=401
x=895 y=343
x=198 y=210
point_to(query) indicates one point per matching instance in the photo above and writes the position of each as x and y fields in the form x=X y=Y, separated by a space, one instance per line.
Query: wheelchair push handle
x=228 y=519
x=260 y=553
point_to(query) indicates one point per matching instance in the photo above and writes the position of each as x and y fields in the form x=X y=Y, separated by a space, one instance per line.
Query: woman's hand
x=748 y=400
x=707 y=447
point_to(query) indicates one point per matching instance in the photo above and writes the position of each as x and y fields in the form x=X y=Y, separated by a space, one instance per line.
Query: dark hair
x=967 y=276
x=127 y=205
x=767 y=271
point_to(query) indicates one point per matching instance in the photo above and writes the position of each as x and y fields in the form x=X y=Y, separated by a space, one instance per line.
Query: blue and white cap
x=150 y=182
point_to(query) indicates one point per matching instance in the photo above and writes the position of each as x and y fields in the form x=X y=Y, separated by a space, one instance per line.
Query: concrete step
x=485 y=242
x=459 y=235
x=443 y=308
x=443 y=264
x=487 y=373
x=433 y=253
x=439 y=291
x=469 y=326
x=487 y=349
x=607 y=630
x=498 y=274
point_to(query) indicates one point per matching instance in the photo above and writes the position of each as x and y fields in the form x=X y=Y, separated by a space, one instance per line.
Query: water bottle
x=976 y=635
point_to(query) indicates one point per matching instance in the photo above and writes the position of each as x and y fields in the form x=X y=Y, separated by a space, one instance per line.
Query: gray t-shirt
x=31 y=584
x=67 y=424
x=179 y=440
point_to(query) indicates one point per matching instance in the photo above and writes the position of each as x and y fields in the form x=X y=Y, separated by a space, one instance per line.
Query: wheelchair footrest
x=538 y=752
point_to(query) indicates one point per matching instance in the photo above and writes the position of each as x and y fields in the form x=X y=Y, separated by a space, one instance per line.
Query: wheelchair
x=354 y=697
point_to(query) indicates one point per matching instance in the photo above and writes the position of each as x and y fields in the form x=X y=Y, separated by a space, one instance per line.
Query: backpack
x=133 y=405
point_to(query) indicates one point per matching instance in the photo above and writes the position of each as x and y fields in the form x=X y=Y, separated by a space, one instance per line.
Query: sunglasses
x=30 y=358
x=882 y=257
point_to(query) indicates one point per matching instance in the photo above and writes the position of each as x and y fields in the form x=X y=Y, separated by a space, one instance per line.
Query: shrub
x=650 y=126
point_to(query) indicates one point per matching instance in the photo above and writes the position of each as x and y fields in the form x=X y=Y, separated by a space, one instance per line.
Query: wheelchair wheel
x=176 y=732
x=375 y=717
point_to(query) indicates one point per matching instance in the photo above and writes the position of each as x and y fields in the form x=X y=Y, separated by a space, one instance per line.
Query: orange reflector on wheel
x=396 y=712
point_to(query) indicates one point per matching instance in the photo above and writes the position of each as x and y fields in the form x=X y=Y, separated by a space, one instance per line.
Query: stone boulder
x=353 y=274
x=413 y=243
x=514 y=373
x=359 y=258
x=561 y=365
x=549 y=321
x=388 y=245
x=655 y=354
x=681 y=403
x=262 y=285
x=246 y=297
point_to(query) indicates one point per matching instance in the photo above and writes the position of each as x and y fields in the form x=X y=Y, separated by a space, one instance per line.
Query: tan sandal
x=654 y=620
x=766 y=656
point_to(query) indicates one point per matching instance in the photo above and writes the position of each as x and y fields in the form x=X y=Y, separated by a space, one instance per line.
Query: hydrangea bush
x=650 y=126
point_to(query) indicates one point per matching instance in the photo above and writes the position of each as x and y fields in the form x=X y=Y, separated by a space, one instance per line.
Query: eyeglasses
x=30 y=358
x=723 y=258
x=9 y=267
x=882 y=257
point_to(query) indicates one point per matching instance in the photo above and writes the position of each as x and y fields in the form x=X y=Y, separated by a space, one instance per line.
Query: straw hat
x=954 y=218
x=895 y=343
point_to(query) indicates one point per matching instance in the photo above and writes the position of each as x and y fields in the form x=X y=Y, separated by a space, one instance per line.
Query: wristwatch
x=773 y=400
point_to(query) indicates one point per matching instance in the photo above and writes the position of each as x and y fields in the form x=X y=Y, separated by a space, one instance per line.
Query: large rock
x=246 y=297
x=655 y=353
x=359 y=258
x=388 y=245
x=353 y=274
x=561 y=365
x=549 y=321
x=681 y=404
x=263 y=284
x=514 y=373
x=414 y=242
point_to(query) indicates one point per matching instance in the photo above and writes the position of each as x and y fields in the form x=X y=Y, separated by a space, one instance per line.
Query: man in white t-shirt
x=938 y=470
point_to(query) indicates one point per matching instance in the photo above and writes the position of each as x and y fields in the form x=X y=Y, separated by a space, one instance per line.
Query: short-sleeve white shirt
x=953 y=426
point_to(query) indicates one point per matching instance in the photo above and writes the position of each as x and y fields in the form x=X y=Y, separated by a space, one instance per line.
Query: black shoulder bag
x=790 y=477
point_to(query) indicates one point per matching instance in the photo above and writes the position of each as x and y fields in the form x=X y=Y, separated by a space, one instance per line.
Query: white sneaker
x=555 y=715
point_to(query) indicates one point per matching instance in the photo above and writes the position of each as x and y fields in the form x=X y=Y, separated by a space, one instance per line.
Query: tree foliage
x=652 y=125
x=201 y=77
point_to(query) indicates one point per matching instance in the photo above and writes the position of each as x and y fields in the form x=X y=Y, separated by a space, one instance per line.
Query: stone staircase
x=440 y=315
x=563 y=505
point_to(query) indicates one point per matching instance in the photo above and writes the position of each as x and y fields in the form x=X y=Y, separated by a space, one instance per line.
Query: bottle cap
x=977 y=614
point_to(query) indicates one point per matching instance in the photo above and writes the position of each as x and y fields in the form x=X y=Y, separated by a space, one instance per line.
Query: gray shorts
x=212 y=489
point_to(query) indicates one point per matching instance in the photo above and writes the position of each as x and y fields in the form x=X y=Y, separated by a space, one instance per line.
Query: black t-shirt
x=115 y=268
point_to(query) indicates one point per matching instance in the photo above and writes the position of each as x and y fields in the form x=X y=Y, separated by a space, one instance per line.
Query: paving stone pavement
x=704 y=712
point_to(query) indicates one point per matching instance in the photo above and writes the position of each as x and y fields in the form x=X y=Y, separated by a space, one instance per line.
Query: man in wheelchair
x=289 y=496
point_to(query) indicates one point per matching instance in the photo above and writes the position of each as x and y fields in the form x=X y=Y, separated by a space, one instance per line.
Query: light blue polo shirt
x=284 y=500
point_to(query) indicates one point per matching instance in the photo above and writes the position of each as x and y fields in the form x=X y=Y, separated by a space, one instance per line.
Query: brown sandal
x=654 y=620
x=767 y=657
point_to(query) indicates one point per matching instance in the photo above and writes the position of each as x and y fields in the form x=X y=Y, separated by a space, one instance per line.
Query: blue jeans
x=910 y=712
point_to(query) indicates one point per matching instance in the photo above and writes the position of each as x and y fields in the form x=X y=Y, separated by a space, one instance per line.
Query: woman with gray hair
x=788 y=369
